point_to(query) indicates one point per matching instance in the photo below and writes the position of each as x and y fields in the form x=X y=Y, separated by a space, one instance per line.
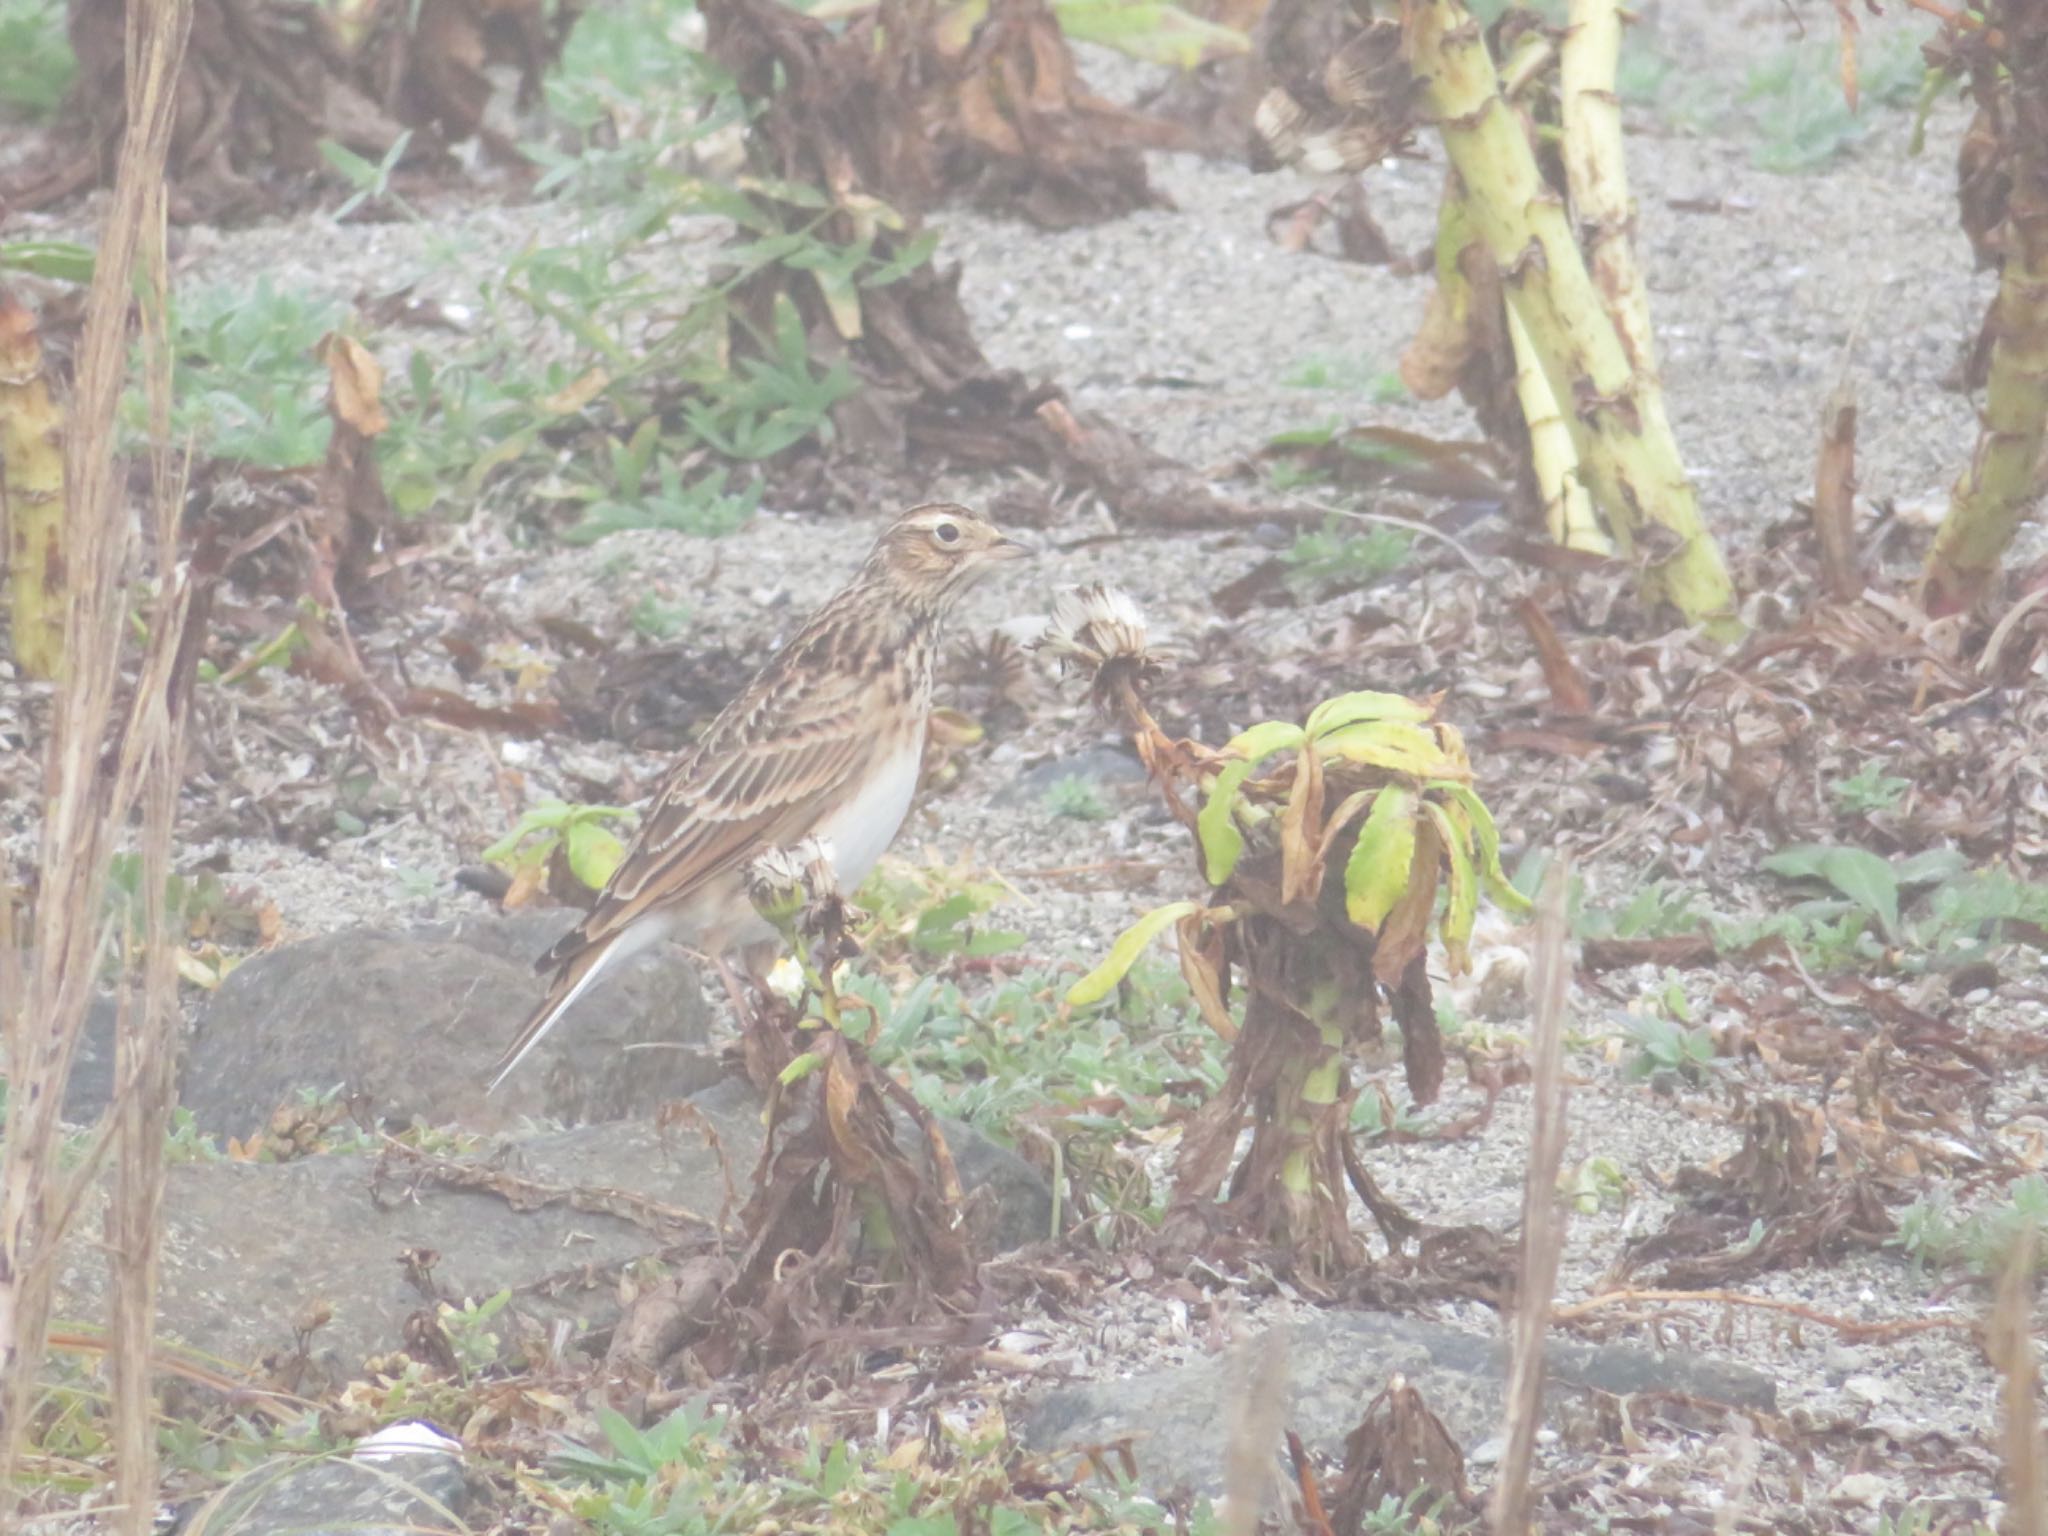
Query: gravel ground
x=1186 y=325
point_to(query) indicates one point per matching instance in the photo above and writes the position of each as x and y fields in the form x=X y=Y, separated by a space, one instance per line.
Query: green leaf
x=1377 y=872
x=1461 y=905
x=1864 y=877
x=1123 y=954
x=1222 y=843
x=59 y=260
x=1262 y=741
x=1867 y=880
x=802 y=1067
x=1931 y=867
x=593 y=853
x=1504 y=892
x=1395 y=745
x=1350 y=708
x=1801 y=861
x=1148 y=30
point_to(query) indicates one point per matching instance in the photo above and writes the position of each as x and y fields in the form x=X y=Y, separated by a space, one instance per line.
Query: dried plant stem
x=1631 y=460
x=2009 y=1341
x=1542 y=1221
x=1848 y=1327
x=82 y=812
x=2000 y=484
x=31 y=495
x=1567 y=505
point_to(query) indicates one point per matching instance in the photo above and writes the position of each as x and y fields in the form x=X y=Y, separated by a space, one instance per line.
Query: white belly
x=862 y=829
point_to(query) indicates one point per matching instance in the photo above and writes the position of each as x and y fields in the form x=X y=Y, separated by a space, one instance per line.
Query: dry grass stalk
x=2009 y=1342
x=1254 y=1434
x=31 y=494
x=1834 y=495
x=1542 y=1221
x=82 y=812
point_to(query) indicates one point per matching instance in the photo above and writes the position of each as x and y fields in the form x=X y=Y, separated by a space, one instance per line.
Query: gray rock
x=1110 y=767
x=1183 y=1417
x=412 y=1020
x=252 y=1248
x=91 y=1087
x=420 y=1495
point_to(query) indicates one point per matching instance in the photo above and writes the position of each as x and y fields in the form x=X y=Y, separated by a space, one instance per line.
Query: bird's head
x=932 y=554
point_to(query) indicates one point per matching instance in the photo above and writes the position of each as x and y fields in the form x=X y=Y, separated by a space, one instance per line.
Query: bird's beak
x=1007 y=548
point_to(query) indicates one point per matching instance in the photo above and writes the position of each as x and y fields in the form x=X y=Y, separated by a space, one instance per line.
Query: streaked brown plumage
x=826 y=740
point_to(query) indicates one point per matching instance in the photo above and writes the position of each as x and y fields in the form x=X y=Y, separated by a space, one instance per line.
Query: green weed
x=1339 y=556
x=36 y=62
x=247 y=384
x=1869 y=790
x=1795 y=99
x=1076 y=797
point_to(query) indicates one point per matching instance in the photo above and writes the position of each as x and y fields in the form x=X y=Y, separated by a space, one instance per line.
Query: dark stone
x=1338 y=1362
x=412 y=1021
x=91 y=1088
x=1111 y=767
x=250 y=1248
x=416 y=1495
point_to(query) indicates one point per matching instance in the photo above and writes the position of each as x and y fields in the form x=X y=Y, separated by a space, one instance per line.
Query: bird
x=826 y=741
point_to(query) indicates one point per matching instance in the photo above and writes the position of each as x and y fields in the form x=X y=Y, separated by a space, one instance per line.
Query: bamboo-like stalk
x=1596 y=169
x=1567 y=505
x=82 y=814
x=31 y=494
x=1991 y=496
x=1630 y=458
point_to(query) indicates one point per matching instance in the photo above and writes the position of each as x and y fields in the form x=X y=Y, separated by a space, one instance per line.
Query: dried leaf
x=355 y=382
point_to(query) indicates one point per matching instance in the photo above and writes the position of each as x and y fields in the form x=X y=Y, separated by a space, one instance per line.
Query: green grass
x=1794 y=98
x=36 y=62
x=247 y=385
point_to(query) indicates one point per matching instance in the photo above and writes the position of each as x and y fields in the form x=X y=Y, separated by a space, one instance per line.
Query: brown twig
x=1847 y=1326
x=1542 y=1221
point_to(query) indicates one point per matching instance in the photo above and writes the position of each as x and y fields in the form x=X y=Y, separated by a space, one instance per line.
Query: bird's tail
x=580 y=971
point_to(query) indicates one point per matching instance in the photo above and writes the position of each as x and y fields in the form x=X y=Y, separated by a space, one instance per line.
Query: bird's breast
x=868 y=821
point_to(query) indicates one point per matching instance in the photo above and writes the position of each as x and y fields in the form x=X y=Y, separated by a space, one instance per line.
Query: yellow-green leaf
x=1488 y=835
x=593 y=853
x=1222 y=843
x=1396 y=745
x=800 y=1067
x=1350 y=708
x=1461 y=907
x=1148 y=30
x=1259 y=742
x=1123 y=954
x=1377 y=872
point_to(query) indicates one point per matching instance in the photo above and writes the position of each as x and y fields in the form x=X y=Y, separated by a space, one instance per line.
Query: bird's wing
x=771 y=766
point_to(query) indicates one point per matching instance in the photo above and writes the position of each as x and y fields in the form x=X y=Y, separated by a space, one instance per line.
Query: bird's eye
x=947 y=533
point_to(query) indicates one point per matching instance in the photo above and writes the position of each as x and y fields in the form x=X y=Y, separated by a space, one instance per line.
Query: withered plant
x=1327 y=845
x=839 y=1209
x=2000 y=49
x=1539 y=316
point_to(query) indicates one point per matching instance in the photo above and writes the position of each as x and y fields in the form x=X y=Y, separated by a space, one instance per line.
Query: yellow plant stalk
x=1596 y=169
x=31 y=494
x=1630 y=458
x=1991 y=495
x=1567 y=506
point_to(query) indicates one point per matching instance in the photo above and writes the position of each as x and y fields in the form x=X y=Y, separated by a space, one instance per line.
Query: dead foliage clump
x=846 y=113
x=843 y=1225
x=265 y=81
x=1326 y=845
